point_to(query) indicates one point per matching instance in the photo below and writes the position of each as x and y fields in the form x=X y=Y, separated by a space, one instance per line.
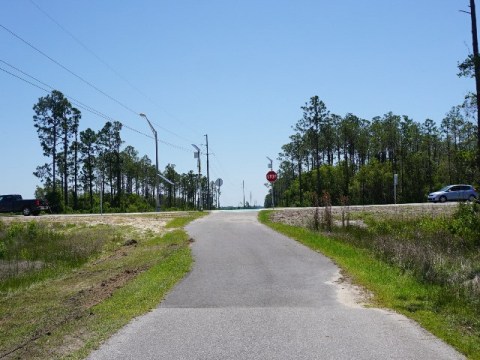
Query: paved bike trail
x=256 y=294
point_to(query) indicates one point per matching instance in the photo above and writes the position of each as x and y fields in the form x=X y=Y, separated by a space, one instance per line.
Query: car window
x=455 y=188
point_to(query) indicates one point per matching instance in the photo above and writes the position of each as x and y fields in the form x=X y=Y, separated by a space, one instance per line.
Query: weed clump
x=32 y=251
x=322 y=218
x=442 y=251
x=466 y=224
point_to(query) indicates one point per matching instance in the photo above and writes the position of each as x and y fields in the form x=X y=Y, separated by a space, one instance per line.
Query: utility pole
x=243 y=186
x=208 y=176
x=476 y=66
x=199 y=184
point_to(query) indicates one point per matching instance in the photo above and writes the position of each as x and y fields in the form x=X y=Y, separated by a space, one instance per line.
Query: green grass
x=72 y=312
x=54 y=248
x=137 y=297
x=393 y=288
x=180 y=222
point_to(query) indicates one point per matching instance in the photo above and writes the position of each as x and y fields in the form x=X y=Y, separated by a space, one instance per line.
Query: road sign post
x=272 y=177
x=218 y=183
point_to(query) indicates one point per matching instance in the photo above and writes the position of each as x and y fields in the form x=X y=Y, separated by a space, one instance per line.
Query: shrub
x=437 y=250
x=3 y=249
x=327 y=219
x=466 y=223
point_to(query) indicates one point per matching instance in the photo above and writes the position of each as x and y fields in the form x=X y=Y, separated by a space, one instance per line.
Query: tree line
x=86 y=166
x=354 y=160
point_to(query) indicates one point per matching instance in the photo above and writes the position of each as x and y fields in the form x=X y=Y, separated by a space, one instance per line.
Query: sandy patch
x=349 y=294
x=154 y=222
x=304 y=216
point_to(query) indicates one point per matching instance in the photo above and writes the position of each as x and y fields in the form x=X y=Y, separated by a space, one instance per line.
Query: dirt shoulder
x=142 y=222
x=304 y=216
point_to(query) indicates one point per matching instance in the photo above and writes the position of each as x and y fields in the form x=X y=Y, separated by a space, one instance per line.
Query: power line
x=80 y=104
x=86 y=48
x=68 y=70
x=28 y=82
x=215 y=157
x=72 y=100
x=220 y=168
x=85 y=81
x=86 y=107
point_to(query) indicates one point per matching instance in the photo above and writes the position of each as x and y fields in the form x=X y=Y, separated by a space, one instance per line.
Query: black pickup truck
x=15 y=203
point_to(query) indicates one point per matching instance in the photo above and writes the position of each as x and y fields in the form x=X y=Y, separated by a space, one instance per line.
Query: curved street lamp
x=199 y=183
x=157 y=188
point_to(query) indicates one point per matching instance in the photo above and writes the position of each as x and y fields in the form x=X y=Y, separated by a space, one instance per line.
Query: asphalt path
x=256 y=294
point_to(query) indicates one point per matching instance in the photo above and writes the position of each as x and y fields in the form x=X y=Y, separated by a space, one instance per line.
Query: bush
x=440 y=250
x=55 y=201
x=466 y=223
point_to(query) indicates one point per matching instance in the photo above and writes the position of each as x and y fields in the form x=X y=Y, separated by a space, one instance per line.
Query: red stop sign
x=272 y=176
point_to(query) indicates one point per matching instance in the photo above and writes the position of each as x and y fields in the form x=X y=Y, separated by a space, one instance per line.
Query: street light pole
x=199 y=184
x=157 y=188
x=243 y=188
x=208 y=176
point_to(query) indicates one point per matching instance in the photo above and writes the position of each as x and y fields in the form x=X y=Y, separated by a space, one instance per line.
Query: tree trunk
x=75 y=169
x=300 y=181
x=65 y=168
x=90 y=180
x=54 y=157
x=317 y=158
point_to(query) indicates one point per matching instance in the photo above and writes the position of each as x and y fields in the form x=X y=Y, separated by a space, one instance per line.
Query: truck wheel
x=27 y=211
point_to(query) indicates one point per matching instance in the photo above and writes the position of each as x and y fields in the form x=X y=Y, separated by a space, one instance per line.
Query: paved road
x=255 y=294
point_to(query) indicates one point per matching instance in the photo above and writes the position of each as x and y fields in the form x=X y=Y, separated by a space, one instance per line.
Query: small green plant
x=344 y=202
x=181 y=221
x=3 y=249
x=466 y=223
x=28 y=249
x=322 y=219
x=316 y=214
x=327 y=218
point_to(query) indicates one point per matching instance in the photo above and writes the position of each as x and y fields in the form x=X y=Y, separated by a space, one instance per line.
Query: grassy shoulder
x=395 y=289
x=73 y=311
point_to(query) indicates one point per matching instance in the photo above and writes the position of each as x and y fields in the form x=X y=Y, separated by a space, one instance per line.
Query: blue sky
x=238 y=71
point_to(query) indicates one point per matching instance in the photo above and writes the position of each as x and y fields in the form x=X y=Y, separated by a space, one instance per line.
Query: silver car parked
x=454 y=193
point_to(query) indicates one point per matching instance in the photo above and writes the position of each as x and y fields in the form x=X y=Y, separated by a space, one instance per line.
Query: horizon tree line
x=84 y=165
x=356 y=159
